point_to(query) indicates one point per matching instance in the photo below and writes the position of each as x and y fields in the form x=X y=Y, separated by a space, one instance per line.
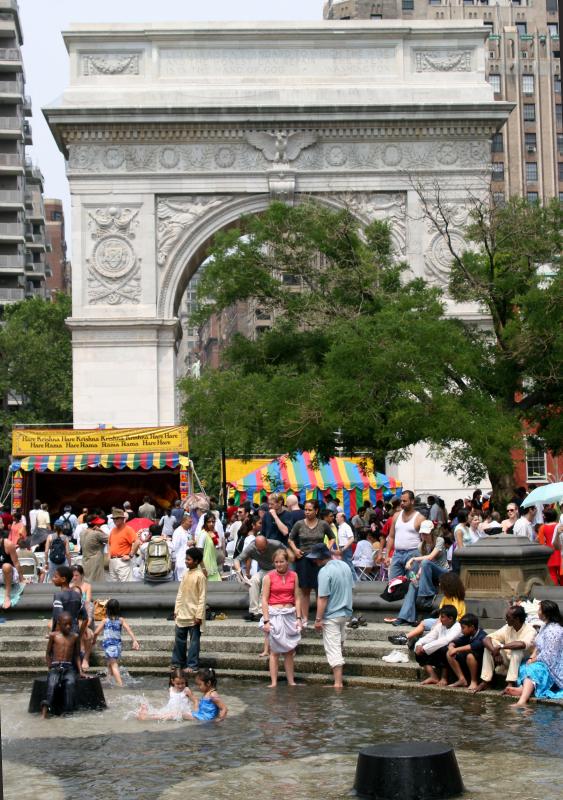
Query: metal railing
x=12 y=294
x=10 y=87
x=16 y=261
x=10 y=160
x=11 y=228
x=11 y=123
x=11 y=196
x=10 y=54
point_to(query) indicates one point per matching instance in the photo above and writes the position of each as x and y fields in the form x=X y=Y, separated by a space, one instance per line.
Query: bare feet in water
x=460 y=684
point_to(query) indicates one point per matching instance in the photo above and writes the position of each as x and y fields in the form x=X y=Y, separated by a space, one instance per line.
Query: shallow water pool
x=301 y=743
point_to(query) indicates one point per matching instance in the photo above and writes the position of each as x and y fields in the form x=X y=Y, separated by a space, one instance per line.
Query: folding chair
x=362 y=573
x=29 y=568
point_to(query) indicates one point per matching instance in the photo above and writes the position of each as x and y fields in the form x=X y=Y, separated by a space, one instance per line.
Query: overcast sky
x=46 y=60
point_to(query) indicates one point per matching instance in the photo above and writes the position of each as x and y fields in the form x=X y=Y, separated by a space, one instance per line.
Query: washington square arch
x=172 y=132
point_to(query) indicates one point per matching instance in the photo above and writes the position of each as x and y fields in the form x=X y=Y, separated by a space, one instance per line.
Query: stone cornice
x=158 y=133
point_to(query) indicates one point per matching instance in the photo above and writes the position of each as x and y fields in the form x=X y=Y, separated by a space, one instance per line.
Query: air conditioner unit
x=531 y=148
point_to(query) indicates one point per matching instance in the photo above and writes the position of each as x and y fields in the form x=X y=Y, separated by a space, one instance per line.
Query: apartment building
x=57 y=266
x=523 y=66
x=22 y=216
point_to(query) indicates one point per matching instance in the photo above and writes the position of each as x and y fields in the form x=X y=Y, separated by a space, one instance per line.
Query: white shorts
x=15 y=576
x=334 y=636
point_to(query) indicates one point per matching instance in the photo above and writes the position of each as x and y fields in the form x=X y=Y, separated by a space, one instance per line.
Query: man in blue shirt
x=334 y=606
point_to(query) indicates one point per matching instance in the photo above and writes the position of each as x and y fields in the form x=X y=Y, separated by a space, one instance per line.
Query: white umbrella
x=551 y=493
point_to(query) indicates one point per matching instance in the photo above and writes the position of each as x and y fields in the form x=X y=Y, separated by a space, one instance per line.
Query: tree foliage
x=367 y=349
x=36 y=374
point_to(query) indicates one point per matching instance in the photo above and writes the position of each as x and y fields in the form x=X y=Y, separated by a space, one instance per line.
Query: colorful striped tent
x=81 y=461
x=306 y=478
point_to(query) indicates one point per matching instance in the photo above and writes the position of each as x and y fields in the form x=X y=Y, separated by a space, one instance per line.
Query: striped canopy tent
x=68 y=461
x=303 y=476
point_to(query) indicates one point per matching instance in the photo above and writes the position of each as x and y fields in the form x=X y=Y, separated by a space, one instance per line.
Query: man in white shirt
x=181 y=540
x=432 y=650
x=525 y=525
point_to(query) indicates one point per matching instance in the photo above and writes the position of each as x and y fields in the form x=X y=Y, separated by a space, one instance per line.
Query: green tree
x=36 y=375
x=367 y=350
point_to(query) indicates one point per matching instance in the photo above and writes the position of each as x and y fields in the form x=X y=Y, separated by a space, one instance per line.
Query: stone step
x=229 y=628
x=216 y=644
x=236 y=662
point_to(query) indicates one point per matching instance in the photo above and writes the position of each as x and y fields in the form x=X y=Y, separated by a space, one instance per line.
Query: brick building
x=58 y=267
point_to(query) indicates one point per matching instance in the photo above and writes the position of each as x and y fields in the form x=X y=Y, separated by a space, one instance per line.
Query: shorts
x=15 y=576
x=307 y=572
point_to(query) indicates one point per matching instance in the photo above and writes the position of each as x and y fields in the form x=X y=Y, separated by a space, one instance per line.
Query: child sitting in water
x=179 y=705
x=63 y=660
x=210 y=706
x=111 y=642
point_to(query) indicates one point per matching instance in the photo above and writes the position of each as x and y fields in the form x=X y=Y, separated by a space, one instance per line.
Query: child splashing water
x=112 y=627
x=179 y=705
x=209 y=708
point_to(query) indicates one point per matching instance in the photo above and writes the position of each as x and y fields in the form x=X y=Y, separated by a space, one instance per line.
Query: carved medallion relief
x=114 y=273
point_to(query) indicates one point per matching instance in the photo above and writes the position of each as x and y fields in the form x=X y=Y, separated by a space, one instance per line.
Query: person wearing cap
x=123 y=544
x=334 y=606
x=93 y=541
x=432 y=550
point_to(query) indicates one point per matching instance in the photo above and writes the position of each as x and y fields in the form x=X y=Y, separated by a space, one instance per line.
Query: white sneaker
x=396 y=657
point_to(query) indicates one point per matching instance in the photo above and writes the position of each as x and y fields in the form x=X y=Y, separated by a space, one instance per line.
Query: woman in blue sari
x=542 y=674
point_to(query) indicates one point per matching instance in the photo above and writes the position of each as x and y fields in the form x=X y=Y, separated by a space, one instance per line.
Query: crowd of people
x=283 y=552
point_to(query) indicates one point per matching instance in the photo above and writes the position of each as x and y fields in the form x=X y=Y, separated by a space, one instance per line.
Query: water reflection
x=276 y=736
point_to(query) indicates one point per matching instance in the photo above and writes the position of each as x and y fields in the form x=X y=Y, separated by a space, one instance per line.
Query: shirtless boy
x=63 y=660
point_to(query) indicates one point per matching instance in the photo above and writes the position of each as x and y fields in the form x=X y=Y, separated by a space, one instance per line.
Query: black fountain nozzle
x=408 y=771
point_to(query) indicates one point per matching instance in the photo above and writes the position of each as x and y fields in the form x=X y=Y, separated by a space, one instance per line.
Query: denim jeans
x=61 y=674
x=347 y=558
x=408 y=609
x=398 y=562
x=181 y=644
x=428 y=578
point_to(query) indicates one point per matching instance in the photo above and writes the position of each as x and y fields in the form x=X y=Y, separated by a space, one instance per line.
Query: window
x=531 y=170
x=516 y=2
x=560 y=143
x=536 y=468
x=376 y=16
x=559 y=115
x=529 y=112
x=408 y=5
x=435 y=2
x=498 y=170
x=498 y=198
x=57 y=215
x=494 y=80
x=532 y=197
x=557 y=84
x=553 y=29
x=561 y=198
x=522 y=28
x=528 y=84
x=490 y=27
x=468 y=3
x=497 y=144
x=561 y=170
x=530 y=142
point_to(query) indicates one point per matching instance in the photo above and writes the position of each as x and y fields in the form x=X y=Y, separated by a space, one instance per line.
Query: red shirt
x=282 y=588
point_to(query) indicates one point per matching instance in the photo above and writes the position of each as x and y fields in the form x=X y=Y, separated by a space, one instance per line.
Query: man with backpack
x=68 y=522
x=57 y=549
x=156 y=555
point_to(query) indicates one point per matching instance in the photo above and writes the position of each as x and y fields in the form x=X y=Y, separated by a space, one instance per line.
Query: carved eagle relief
x=281 y=147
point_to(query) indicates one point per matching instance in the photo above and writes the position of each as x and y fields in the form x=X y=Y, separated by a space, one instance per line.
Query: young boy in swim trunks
x=63 y=660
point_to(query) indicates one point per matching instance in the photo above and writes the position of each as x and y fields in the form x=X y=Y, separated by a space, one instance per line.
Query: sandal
x=354 y=623
x=362 y=621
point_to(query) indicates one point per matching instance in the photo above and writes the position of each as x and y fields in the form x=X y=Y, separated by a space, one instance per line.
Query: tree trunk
x=503 y=489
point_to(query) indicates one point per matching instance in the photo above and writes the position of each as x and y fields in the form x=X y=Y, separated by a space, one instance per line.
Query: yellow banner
x=45 y=441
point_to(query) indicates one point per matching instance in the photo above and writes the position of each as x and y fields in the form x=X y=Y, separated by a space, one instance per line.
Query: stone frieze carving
x=437 y=257
x=281 y=146
x=174 y=215
x=443 y=60
x=277 y=62
x=369 y=206
x=303 y=153
x=114 y=271
x=111 y=64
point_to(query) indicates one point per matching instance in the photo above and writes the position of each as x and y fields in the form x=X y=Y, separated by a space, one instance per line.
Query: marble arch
x=172 y=132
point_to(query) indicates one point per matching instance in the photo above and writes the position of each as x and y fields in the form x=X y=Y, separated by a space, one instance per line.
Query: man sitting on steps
x=261 y=550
